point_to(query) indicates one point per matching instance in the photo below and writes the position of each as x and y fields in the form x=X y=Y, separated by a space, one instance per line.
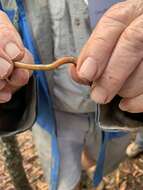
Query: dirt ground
x=129 y=176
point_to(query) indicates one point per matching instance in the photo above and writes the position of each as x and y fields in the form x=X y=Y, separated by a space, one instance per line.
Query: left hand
x=11 y=49
x=113 y=57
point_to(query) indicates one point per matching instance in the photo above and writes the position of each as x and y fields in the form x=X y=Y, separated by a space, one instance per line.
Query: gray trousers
x=73 y=132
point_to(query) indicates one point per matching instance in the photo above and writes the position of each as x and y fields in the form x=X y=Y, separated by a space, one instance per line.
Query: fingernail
x=88 y=69
x=99 y=95
x=12 y=50
x=5 y=96
x=5 y=67
x=123 y=106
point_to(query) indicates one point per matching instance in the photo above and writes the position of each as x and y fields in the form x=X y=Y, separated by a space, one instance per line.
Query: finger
x=97 y=51
x=74 y=75
x=5 y=96
x=134 y=85
x=132 y=105
x=2 y=84
x=5 y=68
x=125 y=58
x=28 y=59
x=11 y=47
x=11 y=44
x=10 y=39
x=20 y=77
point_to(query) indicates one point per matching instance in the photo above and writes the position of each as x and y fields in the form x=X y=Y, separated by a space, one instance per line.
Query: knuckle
x=112 y=78
x=29 y=56
x=134 y=33
x=134 y=36
x=119 y=13
x=138 y=7
x=102 y=41
x=6 y=32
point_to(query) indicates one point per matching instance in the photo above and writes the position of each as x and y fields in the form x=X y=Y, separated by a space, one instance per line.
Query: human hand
x=112 y=57
x=11 y=49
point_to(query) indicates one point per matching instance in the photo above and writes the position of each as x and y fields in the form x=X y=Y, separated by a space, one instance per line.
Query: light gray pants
x=73 y=132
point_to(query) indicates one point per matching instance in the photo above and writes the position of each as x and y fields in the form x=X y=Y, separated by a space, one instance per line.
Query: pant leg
x=115 y=149
x=42 y=141
x=71 y=132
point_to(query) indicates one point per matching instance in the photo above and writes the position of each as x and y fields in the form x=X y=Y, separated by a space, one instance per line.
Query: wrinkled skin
x=112 y=57
x=11 y=49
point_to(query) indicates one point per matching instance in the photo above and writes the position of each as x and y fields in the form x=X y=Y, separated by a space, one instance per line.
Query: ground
x=129 y=176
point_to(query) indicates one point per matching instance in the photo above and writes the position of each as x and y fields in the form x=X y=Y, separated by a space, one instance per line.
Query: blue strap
x=105 y=138
x=45 y=114
x=100 y=163
x=96 y=10
x=26 y=32
x=10 y=13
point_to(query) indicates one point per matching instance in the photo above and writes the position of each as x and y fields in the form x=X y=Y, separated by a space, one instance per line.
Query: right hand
x=11 y=49
x=112 y=58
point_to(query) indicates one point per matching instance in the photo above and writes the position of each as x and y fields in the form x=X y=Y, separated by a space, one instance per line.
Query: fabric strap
x=96 y=10
x=45 y=114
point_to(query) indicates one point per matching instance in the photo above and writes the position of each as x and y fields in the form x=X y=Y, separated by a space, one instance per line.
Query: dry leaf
x=123 y=186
